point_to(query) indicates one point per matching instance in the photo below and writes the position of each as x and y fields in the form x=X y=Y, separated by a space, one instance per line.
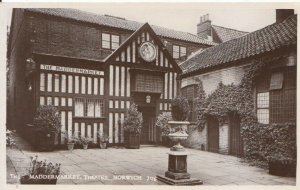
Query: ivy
x=238 y=99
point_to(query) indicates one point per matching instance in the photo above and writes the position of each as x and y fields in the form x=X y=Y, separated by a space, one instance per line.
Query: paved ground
x=108 y=166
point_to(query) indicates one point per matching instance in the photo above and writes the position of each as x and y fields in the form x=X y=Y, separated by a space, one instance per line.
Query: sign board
x=71 y=70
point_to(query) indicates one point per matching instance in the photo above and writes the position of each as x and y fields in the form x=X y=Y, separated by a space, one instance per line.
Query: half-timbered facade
x=92 y=68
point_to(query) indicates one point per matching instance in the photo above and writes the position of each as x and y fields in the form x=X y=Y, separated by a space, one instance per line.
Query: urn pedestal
x=177 y=165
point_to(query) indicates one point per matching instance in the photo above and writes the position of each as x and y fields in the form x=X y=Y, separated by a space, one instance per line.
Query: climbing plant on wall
x=238 y=99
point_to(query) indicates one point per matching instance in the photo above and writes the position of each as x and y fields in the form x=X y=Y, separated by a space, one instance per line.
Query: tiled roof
x=119 y=23
x=226 y=34
x=264 y=40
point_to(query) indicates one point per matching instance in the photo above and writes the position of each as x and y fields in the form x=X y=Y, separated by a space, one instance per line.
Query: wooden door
x=235 y=139
x=148 y=134
x=213 y=134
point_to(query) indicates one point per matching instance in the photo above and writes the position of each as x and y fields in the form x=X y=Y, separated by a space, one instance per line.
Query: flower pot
x=285 y=168
x=27 y=180
x=44 y=141
x=85 y=146
x=133 y=141
x=70 y=146
x=103 y=145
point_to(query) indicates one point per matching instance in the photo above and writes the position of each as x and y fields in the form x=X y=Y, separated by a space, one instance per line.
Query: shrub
x=84 y=140
x=47 y=119
x=162 y=123
x=103 y=137
x=271 y=142
x=43 y=168
x=133 y=120
x=180 y=109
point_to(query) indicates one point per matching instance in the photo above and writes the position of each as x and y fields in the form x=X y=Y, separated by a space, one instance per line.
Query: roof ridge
x=133 y=28
x=229 y=28
x=245 y=46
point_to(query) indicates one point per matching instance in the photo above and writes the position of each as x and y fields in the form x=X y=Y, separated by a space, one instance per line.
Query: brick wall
x=212 y=79
x=18 y=100
x=83 y=40
x=69 y=38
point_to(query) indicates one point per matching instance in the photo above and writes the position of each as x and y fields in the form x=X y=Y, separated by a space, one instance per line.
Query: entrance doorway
x=148 y=134
x=212 y=134
x=235 y=139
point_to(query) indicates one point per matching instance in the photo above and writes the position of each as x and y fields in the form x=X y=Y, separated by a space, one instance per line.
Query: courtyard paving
x=140 y=166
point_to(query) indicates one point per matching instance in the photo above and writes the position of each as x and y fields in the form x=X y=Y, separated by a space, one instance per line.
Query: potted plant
x=47 y=125
x=71 y=140
x=132 y=126
x=85 y=141
x=281 y=149
x=9 y=139
x=103 y=140
x=180 y=111
x=41 y=172
x=162 y=124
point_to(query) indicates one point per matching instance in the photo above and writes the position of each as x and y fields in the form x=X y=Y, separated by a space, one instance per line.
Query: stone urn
x=177 y=164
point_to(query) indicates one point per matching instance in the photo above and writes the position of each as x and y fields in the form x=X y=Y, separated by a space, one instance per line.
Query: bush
x=133 y=120
x=47 y=119
x=271 y=142
x=162 y=123
x=180 y=109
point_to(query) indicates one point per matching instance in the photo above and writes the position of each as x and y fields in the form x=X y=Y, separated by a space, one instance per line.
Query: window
x=63 y=83
x=179 y=52
x=56 y=82
x=263 y=107
x=42 y=100
x=190 y=92
x=79 y=107
x=70 y=85
x=49 y=82
x=83 y=85
x=42 y=82
x=56 y=101
x=110 y=41
x=76 y=84
x=149 y=83
x=88 y=107
x=276 y=81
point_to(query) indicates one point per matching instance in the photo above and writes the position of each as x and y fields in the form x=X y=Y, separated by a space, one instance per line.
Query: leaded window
x=263 y=107
x=88 y=107
x=149 y=83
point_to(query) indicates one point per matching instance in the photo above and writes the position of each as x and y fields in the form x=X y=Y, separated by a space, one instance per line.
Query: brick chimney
x=204 y=27
x=282 y=14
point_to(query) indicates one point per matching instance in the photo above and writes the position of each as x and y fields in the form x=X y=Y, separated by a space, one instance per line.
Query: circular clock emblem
x=147 y=51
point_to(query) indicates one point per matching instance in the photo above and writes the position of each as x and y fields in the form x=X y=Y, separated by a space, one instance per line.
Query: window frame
x=263 y=108
x=110 y=41
x=85 y=107
x=180 y=47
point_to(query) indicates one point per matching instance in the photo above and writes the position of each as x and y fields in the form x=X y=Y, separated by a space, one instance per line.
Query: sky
x=184 y=16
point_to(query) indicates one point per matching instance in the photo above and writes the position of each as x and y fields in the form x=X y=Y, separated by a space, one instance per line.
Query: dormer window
x=110 y=41
x=179 y=52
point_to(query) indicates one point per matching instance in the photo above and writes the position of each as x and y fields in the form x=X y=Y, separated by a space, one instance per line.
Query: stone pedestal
x=177 y=166
x=177 y=170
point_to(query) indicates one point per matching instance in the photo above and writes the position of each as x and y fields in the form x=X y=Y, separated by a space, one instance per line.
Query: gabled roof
x=117 y=22
x=261 y=41
x=226 y=34
x=145 y=28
